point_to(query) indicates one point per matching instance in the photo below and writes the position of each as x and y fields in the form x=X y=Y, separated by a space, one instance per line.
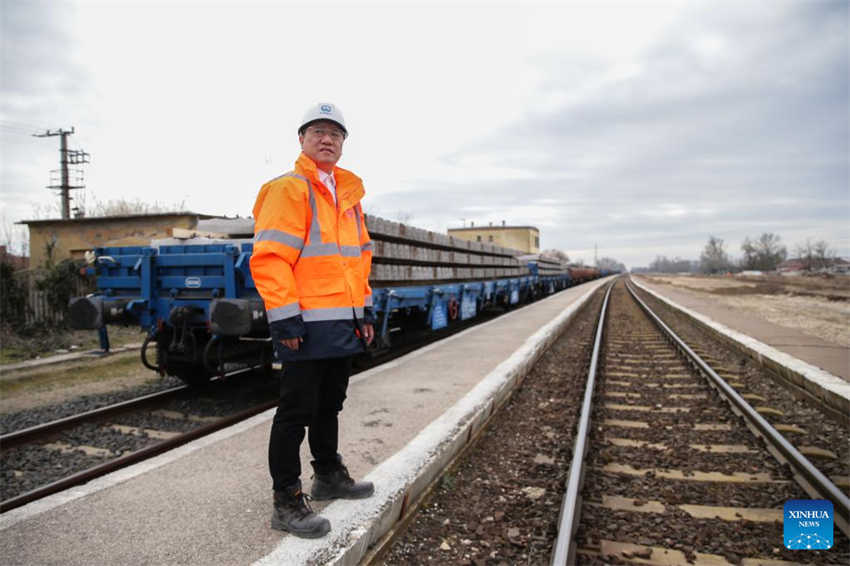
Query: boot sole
x=278 y=525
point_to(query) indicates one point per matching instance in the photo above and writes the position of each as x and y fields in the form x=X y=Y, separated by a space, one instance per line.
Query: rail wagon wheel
x=453 y=309
x=184 y=365
x=195 y=375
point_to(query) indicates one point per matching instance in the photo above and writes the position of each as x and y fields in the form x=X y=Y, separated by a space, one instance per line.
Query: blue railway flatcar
x=202 y=313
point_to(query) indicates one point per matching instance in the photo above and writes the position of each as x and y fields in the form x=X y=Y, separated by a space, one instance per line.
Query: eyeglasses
x=335 y=134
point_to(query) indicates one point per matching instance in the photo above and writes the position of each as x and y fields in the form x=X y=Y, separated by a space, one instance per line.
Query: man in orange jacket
x=311 y=261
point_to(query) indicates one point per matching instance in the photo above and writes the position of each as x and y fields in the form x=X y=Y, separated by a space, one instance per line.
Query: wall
x=523 y=238
x=74 y=237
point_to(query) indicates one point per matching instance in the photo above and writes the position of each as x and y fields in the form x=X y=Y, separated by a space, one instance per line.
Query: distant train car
x=582 y=274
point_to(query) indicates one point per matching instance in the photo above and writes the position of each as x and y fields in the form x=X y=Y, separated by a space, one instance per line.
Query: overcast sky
x=639 y=127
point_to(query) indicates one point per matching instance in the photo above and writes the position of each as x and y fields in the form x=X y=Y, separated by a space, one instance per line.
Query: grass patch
x=118 y=336
x=448 y=482
x=11 y=355
x=74 y=374
x=44 y=341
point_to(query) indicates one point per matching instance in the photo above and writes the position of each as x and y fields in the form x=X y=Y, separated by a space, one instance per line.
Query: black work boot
x=292 y=514
x=338 y=484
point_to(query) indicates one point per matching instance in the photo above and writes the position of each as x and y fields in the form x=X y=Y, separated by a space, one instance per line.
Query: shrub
x=12 y=298
x=59 y=283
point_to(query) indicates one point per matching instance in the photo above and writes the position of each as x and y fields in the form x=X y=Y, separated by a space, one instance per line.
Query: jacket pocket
x=321 y=286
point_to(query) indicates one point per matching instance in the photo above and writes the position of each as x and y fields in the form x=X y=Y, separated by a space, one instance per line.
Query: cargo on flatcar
x=196 y=299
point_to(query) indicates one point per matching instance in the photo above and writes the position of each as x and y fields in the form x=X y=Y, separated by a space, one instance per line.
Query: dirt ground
x=17 y=348
x=817 y=306
x=834 y=287
x=56 y=384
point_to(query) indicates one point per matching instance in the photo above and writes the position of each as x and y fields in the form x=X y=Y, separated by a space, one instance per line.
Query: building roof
x=86 y=219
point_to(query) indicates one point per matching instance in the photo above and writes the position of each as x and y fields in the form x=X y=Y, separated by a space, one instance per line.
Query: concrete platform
x=209 y=502
x=820 y=367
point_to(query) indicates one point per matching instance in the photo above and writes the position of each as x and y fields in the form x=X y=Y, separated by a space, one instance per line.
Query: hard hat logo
x=322 y=111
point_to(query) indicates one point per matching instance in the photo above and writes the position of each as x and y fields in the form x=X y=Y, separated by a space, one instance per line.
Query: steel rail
x=564 y=551
x=25 y=435
x=131 y=458
x=801 y=465
x=28 y=434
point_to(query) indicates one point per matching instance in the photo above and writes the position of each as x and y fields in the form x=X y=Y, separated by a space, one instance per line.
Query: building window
x=536 y=241
x=479 y=238
x=490 y=238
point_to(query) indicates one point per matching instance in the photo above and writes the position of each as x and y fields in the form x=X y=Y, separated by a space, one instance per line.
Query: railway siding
x=53 y=456
x=657 y=489
x=672 y=476
x=830 y=389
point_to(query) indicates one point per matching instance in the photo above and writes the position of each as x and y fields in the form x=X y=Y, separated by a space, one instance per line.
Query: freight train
x=203 y=316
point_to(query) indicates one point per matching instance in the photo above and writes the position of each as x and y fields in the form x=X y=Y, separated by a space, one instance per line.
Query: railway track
x=50 y=457
x=44 y=459
x=678 y=467
x=666 y=470
x=672 y=474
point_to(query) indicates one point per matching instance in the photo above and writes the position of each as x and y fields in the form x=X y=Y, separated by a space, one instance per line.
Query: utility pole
x=66 y=157
x=595 y=256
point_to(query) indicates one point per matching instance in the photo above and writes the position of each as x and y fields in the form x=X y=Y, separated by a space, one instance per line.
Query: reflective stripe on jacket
x=311 y=261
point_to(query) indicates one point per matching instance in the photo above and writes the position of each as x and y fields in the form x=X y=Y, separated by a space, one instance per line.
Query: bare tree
x=824 y=255
x=661 y=264
x=42 y=211
x=815 y=255
x=116 y=207
x=764 y=254
x=713 y=258
x=13 y=236
x=124 y=207
x=610 y=264
x=403 y=216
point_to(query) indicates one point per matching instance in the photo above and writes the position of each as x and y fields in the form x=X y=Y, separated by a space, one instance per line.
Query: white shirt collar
x=328 y=180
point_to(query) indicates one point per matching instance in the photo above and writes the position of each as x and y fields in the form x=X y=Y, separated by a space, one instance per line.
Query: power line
x=15 y=130
x=20 y=125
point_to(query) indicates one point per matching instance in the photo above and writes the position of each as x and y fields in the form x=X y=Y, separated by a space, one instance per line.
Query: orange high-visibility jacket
x=311 y=261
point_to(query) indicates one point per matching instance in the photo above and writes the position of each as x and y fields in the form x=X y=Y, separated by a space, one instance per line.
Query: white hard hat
x=322 y=111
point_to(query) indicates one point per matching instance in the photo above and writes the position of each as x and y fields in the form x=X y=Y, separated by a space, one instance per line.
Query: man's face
x=322 y=142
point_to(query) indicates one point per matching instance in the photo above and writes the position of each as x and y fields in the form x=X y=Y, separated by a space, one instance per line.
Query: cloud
x=41 y=77
x=732 y=110
x=643 y=133
x=42 y=87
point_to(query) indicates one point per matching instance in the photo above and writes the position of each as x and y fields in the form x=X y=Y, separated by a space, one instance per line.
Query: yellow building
x=523 y=238
x=59 y=239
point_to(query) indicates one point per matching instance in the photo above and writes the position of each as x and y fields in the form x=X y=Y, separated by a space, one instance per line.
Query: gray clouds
x=42 y=87
x=640 y=127
x=733 y=123
x=38 y=68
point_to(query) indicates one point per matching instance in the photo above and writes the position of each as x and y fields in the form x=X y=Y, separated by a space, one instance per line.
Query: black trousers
x=311 y=395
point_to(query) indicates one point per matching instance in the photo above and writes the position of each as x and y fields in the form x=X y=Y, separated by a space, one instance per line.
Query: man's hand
x=292 y=343
x=368 y=333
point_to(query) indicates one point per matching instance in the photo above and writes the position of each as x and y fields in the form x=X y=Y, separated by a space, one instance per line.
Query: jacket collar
x=349 y=187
